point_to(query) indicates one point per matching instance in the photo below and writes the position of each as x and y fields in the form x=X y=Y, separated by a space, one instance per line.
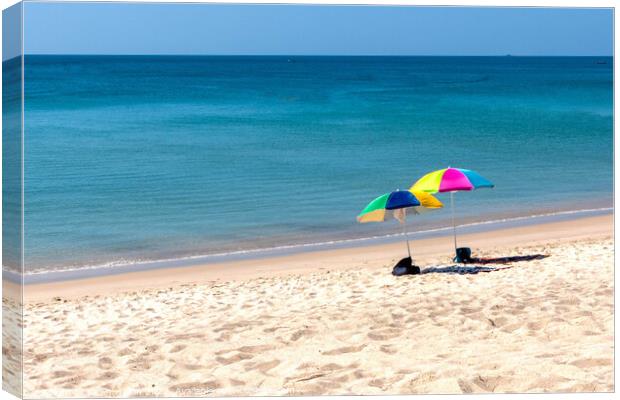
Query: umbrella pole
x=407 y=240
x=453 y=223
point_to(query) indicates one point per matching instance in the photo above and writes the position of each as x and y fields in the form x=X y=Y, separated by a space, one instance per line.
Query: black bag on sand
x=405 y=267
x=463 y=255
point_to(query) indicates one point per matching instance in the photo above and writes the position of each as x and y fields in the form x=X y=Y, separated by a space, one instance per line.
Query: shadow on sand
x=474 y=269
x=459 y=269
x=507 y=260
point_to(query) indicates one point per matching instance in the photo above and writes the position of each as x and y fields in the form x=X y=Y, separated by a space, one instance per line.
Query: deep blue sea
x=131 y=159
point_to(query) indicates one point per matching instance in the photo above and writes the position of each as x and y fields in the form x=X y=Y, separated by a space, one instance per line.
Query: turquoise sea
x=133 y=159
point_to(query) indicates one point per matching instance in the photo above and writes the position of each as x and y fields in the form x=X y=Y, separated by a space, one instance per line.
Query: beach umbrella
x=394 y=205
x=451 y=180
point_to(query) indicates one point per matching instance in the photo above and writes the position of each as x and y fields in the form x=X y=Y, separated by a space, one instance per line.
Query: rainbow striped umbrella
x=451 y=180
x=394 y=205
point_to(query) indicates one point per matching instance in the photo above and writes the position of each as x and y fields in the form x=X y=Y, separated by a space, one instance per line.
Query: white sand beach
x=337 y=322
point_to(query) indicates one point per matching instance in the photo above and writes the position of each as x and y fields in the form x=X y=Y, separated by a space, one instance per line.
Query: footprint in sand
x=343 y=350
x=423 y=378
x=332 y=367
x=139 y=364
x=233 y=359
x=592 y=362
x=536 y=325
x=224 y=337
x=177 y=348
x=470 y=310
x=605 y=292
x=191 y=367
x=360 y=374
x=106 y=376
x=512 y=327
x=263 y=367
x=61 y=374
x=384 y=334
x=125 y=352
x=497 y=322
x=272 y=329
x=236 y=382
x=151 y=349
x=85 y=352
x=465 y=387
x=378 y=383
x=388 y=349
x=304 y=332
x=255 y=349
x=105 y=363
x=71 y=382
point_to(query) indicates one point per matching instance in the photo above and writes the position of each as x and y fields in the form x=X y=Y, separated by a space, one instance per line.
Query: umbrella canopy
x=451 y=180
x=394 y=204
x=388 y=205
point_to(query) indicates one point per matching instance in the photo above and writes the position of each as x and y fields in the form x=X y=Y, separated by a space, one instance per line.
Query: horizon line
x=311 y=55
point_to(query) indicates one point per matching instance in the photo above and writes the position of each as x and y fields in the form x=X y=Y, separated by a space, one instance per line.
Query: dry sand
x=337 y=323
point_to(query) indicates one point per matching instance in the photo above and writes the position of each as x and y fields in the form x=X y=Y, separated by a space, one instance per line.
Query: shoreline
x=426 y=252
x=114 y=268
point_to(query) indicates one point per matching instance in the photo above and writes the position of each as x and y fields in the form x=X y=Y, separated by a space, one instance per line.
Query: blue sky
x=213 y=29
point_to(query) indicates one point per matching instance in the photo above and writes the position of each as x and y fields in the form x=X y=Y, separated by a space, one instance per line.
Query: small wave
x=277 y=250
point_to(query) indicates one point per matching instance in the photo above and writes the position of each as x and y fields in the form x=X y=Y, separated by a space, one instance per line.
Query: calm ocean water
x=154 y=158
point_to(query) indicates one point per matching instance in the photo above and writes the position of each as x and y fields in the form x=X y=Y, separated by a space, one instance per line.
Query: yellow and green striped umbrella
x=388 y=205
x=394 y=205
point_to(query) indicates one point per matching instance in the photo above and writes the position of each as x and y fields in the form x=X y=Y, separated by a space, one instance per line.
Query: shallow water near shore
x=68 y=273
x=134 y=160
